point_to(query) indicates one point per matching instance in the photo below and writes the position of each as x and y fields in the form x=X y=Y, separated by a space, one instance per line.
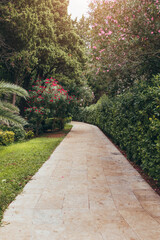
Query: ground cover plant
x=20 y=161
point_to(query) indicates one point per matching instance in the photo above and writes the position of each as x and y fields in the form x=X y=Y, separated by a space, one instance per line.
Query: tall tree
x=39 y=40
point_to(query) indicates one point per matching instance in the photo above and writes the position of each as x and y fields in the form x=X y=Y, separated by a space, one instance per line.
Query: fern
x=9 y=112
x=8 y=106
x=9 y=88
x=11 y=118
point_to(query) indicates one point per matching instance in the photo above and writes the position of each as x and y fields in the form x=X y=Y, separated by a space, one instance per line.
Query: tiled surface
x=87 y=190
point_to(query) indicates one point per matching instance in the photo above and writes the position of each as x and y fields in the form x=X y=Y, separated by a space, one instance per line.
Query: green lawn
x=19 y=162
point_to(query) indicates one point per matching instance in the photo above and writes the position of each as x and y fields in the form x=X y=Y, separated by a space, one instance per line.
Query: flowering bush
x=48 y=99
x=124 y=42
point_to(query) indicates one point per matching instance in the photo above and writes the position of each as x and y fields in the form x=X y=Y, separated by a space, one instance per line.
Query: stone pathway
x=87 y=190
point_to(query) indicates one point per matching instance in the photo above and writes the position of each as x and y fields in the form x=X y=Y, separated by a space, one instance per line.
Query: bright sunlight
x=77 y=8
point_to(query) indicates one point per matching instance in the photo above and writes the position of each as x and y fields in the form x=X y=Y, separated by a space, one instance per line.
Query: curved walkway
x=87 y=190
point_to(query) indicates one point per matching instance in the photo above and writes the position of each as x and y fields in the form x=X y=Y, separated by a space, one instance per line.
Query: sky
x=77 y=8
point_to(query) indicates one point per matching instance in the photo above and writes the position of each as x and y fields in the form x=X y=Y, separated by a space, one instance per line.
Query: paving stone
x=142 y=223
x=50 y=200
x=25 y=201
x=47 y=216
x=87 y=190
x=16 y=231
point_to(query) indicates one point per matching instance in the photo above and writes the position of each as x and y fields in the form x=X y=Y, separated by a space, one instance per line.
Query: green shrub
x=55 y=123
x=67 y=120
x=29 y=135
x=6 y=137
x=19 y=133
x=132 y=121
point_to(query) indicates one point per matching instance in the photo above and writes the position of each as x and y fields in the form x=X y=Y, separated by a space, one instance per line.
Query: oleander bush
x=48 y=106
x=132 y=121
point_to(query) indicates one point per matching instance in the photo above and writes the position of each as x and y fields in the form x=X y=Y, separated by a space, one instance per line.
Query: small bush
x=55 y=123
x=67 y=120
x=6 y=137
x=29 y=135
x=19 y=133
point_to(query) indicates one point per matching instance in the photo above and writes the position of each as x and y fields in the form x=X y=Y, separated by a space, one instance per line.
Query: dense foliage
x=125 y=43
x=6 y=137
x=132 y=120
x=38 y=39
x=48 y=101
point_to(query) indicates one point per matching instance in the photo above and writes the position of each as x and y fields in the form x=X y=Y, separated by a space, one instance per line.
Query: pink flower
x=102 y=50
x=152 y=32
x=110 y=32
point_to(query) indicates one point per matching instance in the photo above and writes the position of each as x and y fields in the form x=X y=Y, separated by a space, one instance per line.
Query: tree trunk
x=14 y=95
x=14 y=99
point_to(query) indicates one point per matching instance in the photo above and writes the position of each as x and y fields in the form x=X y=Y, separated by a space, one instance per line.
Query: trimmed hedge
x=132 y=121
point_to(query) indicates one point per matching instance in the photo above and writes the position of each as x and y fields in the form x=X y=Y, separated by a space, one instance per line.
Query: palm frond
x=6 y=88
x=9 y=117
x=8 y=106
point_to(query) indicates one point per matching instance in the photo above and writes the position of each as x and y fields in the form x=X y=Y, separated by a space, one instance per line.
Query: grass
x=20 y=161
